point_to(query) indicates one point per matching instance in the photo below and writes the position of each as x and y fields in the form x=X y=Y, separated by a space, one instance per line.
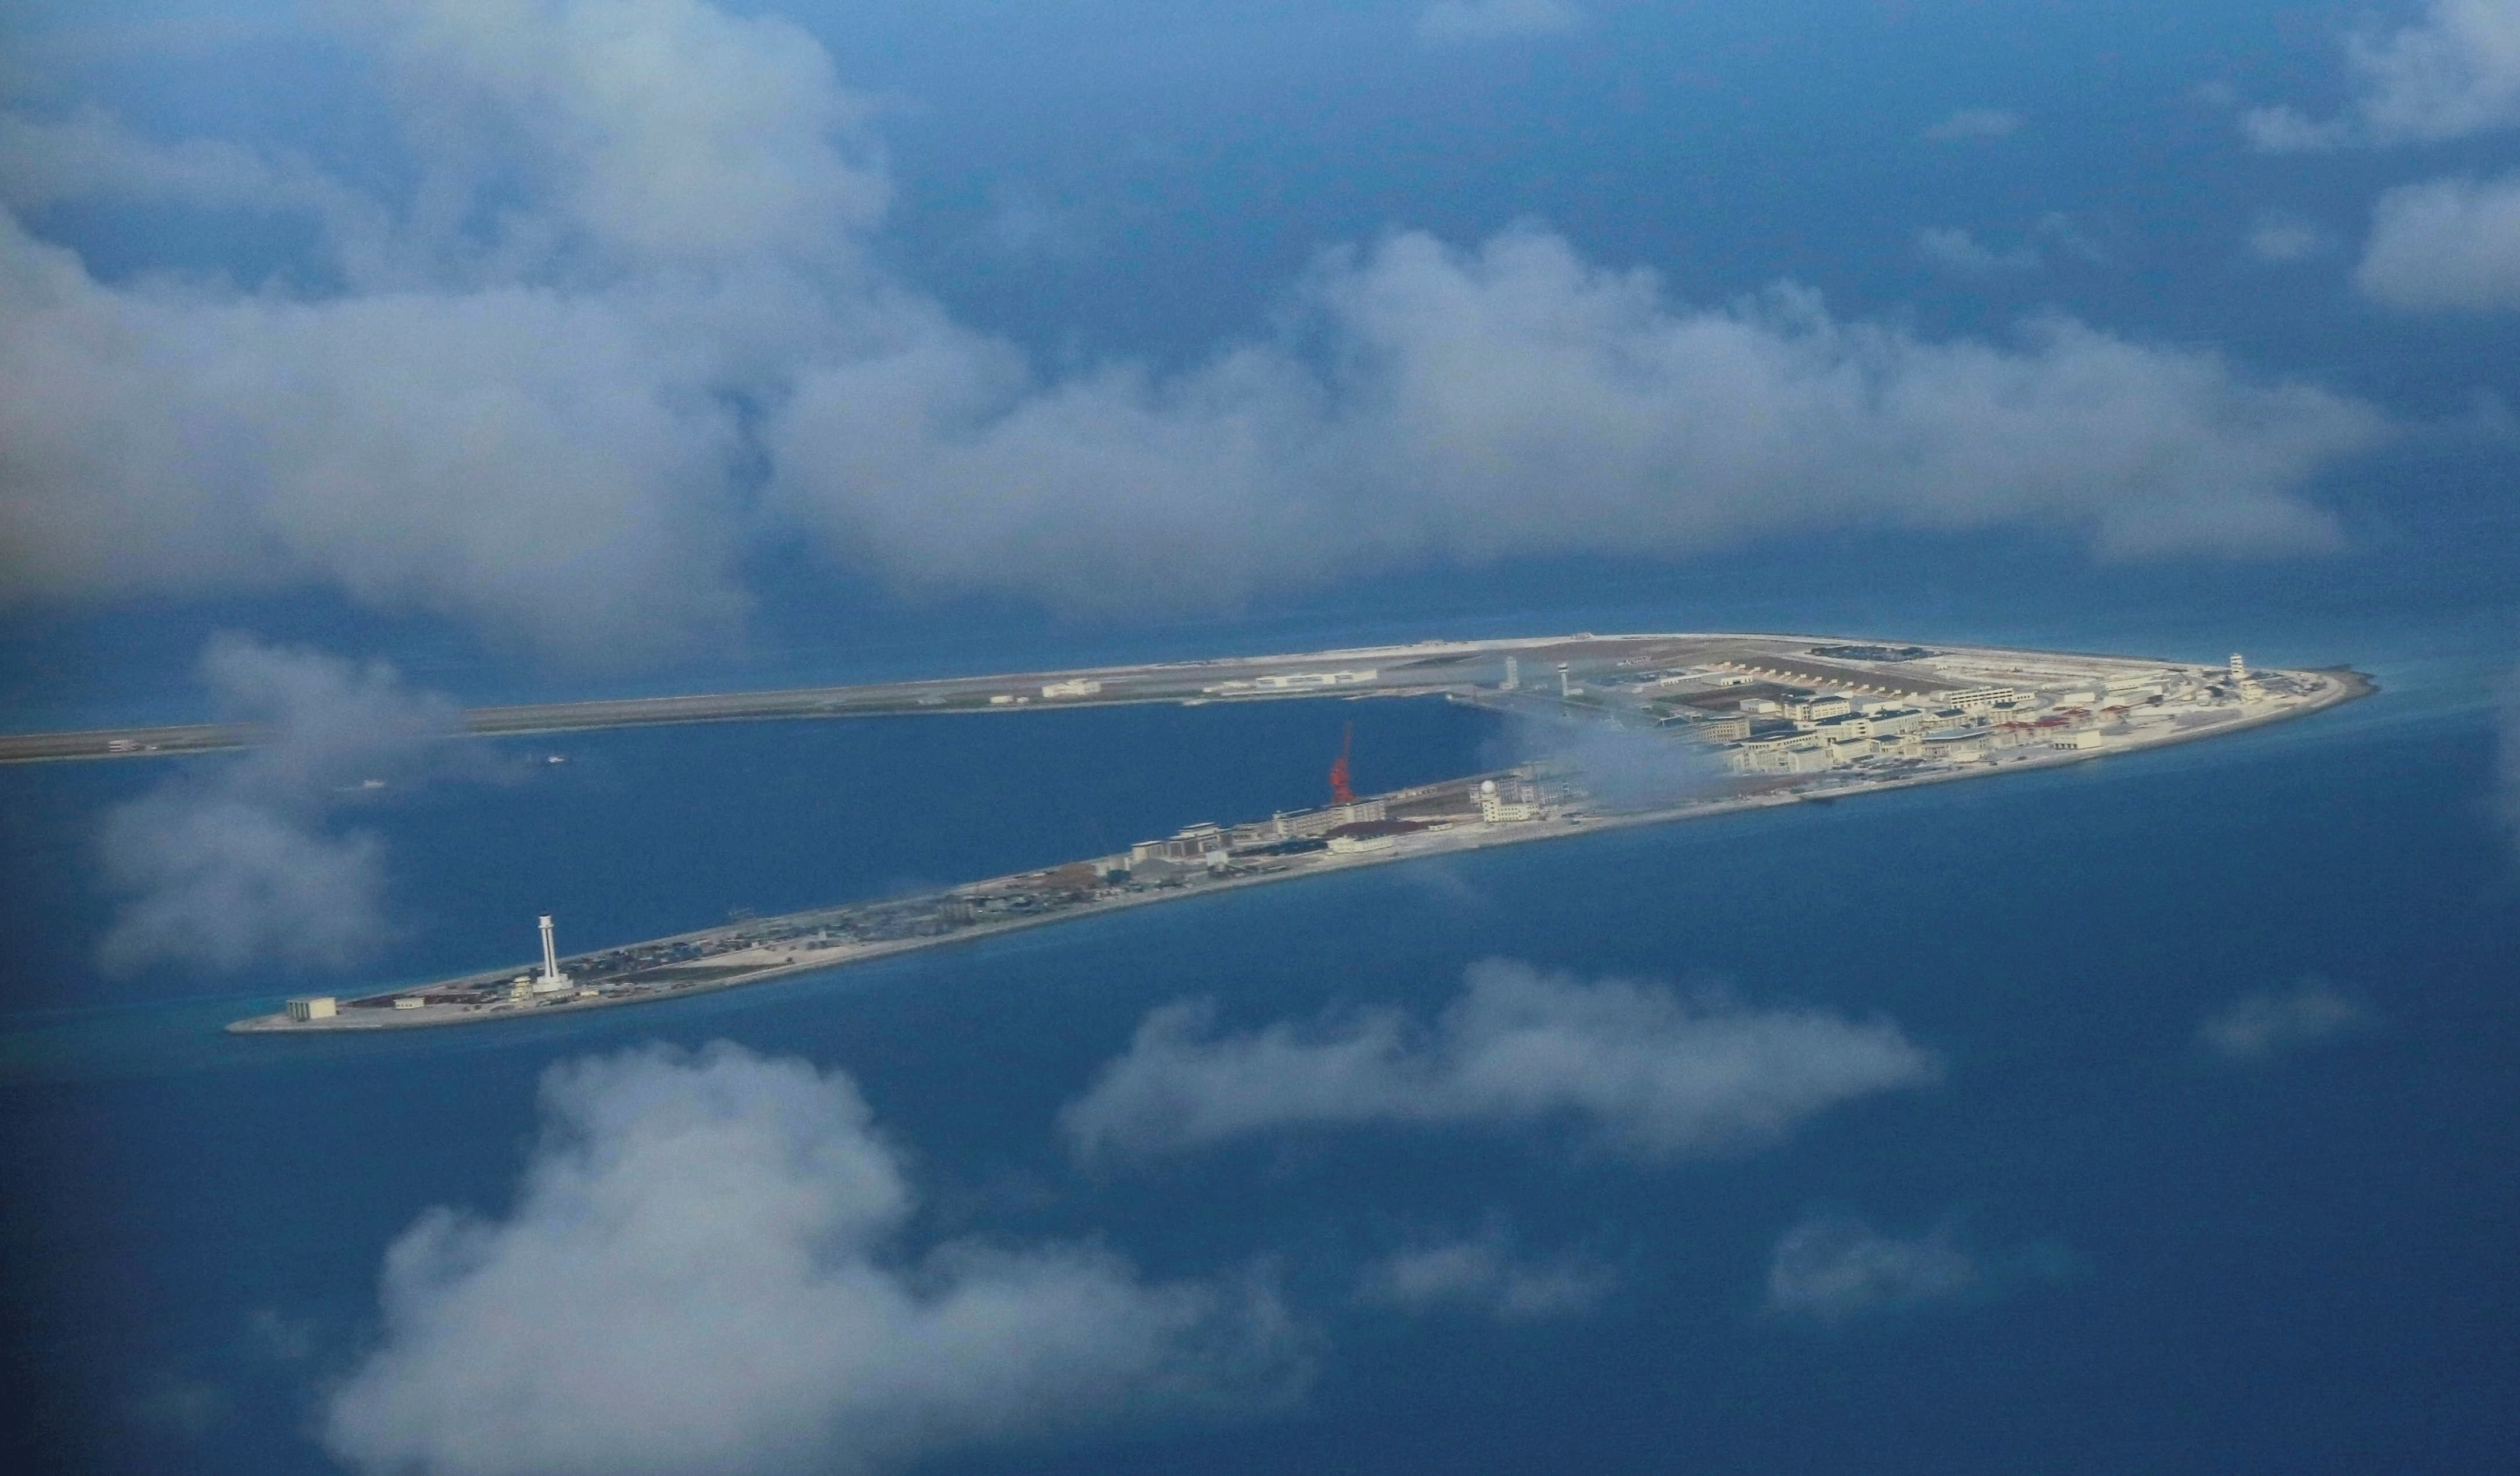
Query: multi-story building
x=1979 y=698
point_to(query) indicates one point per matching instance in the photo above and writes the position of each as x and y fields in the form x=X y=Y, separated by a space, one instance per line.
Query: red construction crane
x=1341 y=793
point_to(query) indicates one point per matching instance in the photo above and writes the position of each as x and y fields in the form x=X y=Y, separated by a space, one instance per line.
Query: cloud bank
x=1483 y=1275
x=2274 y=1022
x=1620 y=769
x=1516 y=401
x=2450 y=244
x=1956 y=248
x=1635 y=1068
x=622 y=331
x=236 y=860
x=1833 y=1266
x=704 y=1273
x=2454 y=73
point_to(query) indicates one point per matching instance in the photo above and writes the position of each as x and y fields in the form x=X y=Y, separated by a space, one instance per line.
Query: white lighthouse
x=552 y=981
x=2239 y=670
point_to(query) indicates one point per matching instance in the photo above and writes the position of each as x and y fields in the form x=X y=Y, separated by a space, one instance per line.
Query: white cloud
x=1976 y=124
x=239 y=861
x=89 y=155
x=1516 y=401
x=2285 y=130
x=223 y=883
x=2285 y=239
x=1634 y=1068
x=2452 y=74
x=1482 y=1275
x=2272 y=1022
x=523 y=409
x=1959 y=250
x=1832 y=1267
x=1621 y=769
x=625 y=330
x=1956 y=248
x=535 y=463
x=2448 y=243
x=1461 y=21
x=658 y=134
x=705 y=1271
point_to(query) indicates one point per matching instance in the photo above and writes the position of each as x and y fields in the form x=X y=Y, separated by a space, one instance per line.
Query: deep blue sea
x=2298 y=1265
x=2306 y=1264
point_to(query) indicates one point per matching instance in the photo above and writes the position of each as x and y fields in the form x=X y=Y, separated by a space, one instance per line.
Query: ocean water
x=2300 y=1264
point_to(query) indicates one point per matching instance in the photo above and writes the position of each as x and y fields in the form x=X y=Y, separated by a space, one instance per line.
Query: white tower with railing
x=552 y=981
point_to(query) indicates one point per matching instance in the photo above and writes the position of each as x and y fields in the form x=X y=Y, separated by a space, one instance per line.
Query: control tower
x=2249 y=688
x=552 y=981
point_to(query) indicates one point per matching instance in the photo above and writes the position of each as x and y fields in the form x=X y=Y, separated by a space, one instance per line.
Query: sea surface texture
x=2209 y=1167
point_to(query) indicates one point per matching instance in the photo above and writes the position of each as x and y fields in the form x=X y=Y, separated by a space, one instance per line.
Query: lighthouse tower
x=552 y=981
x=2239 y=670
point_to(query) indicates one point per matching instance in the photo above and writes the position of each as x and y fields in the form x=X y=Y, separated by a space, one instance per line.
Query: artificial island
x=1745 y=721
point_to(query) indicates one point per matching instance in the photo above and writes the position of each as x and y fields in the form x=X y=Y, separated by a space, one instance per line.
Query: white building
x=1082 y=687
x=1205 y=842
x=1978 y=699
x=1954 y=748
x=1350 y=845
x=1496 y=809
x=1800 y=754
x=1307 y=681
